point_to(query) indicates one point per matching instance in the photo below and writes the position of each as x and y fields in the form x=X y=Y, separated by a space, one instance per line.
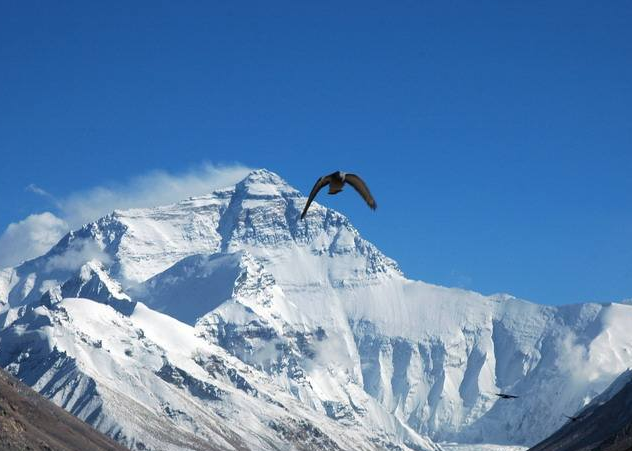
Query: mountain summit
x=225 y=317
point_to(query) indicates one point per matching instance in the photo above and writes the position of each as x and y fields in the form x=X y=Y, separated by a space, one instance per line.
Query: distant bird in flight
x=336 y=181
x=506 y=396
x=573 y=418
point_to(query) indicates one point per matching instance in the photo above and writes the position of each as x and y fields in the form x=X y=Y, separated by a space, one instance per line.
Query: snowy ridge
x=310 y=316
x=153 y=390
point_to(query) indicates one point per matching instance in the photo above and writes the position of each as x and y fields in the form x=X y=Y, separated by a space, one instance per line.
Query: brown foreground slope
x=30 y=422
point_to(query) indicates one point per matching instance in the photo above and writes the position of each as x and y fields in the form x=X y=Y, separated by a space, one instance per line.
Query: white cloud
x=30 y=237
x=36 y=234
x=586 y=362
x=33 y=188
x=79 y=252
x=154 y=188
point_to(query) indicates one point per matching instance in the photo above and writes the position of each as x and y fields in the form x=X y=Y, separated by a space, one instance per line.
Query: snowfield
x=224 y=319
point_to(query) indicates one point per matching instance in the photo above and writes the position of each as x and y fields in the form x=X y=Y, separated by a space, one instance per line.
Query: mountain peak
x=263 y=173
x=265 y=183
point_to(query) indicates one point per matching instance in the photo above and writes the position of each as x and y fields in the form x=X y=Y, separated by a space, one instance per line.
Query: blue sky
x=496 y=136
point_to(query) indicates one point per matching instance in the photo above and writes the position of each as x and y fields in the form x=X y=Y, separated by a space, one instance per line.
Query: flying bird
x=336 y=181
x=506 y=396
x=573 y=418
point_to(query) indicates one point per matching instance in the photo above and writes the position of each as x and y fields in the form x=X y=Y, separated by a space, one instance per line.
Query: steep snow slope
x=331 y=322
x=149 y=382
x=203 y=281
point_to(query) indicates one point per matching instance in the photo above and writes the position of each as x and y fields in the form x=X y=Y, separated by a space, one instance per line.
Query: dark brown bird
x=336 y=181
x=573 y=418
x=506 y=396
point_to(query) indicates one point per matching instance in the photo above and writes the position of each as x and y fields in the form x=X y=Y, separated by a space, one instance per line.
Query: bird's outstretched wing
x=323 y=181
x=361 y=188
x=506 y=396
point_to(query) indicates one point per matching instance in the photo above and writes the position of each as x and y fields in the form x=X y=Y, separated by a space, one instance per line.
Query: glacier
x=224 y=319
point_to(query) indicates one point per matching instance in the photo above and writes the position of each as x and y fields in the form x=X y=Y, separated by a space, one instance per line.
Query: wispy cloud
x=76 y=255
x=147 y=190
x=34 y=235
x=30 y=237
x=587 y=362
x=33 y=188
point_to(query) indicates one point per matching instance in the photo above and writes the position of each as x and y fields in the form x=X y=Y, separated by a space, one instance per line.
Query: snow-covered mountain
x=318 y=335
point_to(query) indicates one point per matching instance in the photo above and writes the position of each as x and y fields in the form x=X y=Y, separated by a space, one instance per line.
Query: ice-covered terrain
x=318 y=335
